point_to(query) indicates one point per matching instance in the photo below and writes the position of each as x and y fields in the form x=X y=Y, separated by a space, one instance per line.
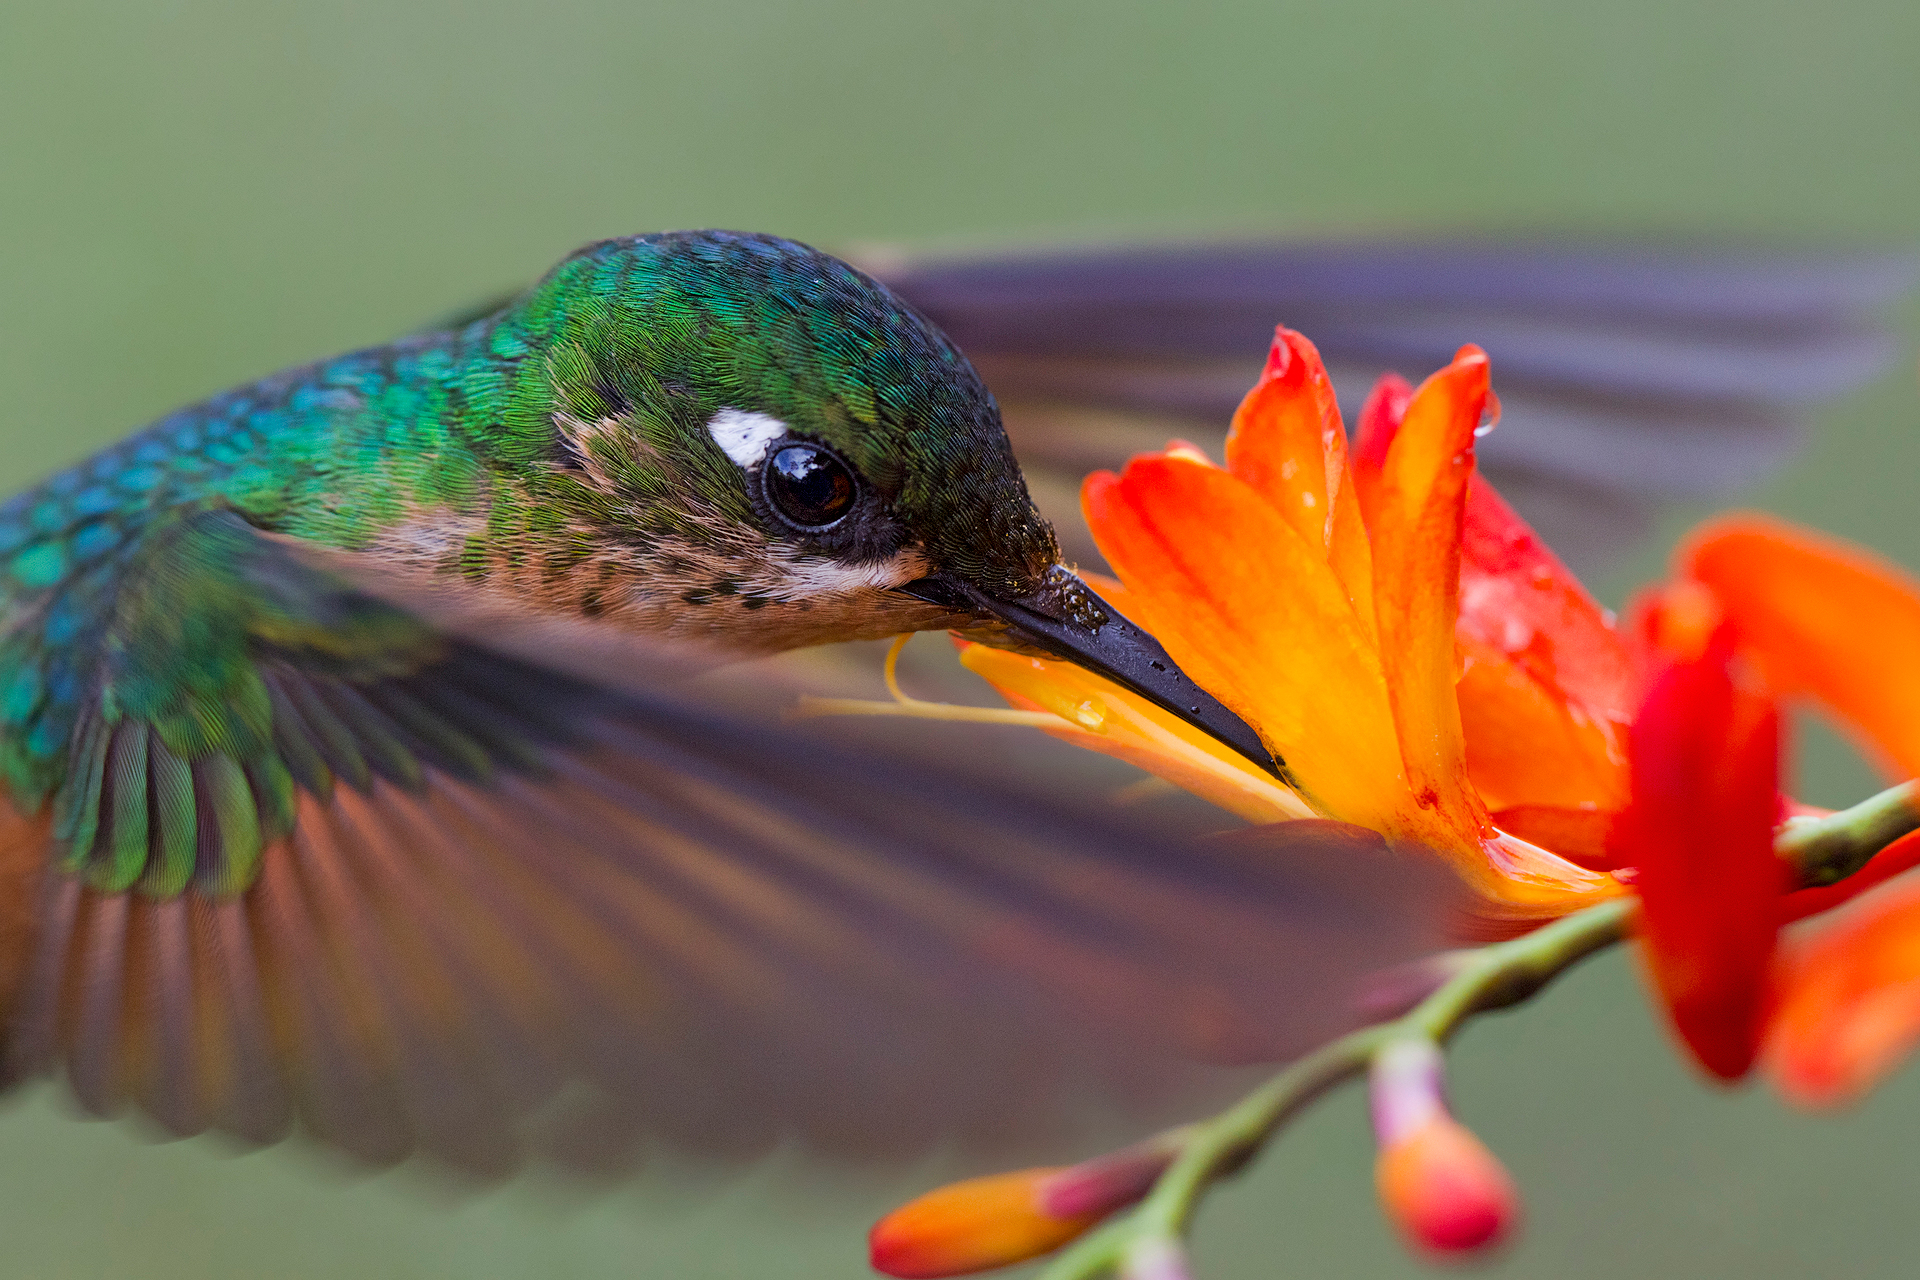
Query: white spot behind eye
x=744 y=436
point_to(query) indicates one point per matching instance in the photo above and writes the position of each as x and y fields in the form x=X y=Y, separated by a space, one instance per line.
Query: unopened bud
x=1441 y=1187
x=1105 y=1183
x=1010 y=1217
x=972 y=1226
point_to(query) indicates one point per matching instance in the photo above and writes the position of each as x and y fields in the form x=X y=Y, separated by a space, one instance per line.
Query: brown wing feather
x=714 y=935
x=519 y=914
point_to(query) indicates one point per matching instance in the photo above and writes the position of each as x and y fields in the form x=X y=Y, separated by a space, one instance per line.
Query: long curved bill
x=1067 y=619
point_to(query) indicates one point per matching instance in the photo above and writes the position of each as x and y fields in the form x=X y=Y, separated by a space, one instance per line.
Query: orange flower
x=1830 y=622
x=1824 y=620
x=1336 y=639
x=1547 y=686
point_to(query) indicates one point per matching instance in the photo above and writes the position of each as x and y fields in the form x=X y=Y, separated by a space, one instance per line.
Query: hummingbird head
x=736 y=436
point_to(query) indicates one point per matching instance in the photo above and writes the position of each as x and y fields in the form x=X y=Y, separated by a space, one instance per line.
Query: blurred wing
x=498 y=912
x=1629 y=374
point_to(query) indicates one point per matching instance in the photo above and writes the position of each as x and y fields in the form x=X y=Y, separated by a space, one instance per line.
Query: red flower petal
x=1578 y=835
x=1517 y=595
x=1527 y=746
x=1705 y=761
x=1380 y=419
x=1547 y=689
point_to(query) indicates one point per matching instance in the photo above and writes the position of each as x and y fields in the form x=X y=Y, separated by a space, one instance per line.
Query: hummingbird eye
x=808 y=487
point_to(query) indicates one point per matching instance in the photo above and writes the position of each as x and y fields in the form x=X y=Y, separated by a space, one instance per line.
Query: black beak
x=1065 y=619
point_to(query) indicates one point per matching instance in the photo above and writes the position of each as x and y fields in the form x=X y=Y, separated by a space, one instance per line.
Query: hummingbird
x=378 y=762
x=352 y=785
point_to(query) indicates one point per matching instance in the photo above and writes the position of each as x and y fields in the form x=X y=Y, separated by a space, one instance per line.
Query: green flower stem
x=1825 y=850
x=1491 y=978
x=1821 y=851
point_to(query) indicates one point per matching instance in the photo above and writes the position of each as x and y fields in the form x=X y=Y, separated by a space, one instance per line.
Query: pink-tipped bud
x=1010 y=1217
x=1105 y=1183
x=1443 y=1189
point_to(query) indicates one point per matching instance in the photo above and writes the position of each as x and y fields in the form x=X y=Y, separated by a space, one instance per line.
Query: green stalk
x=1827 y=850
x=1493 y=977
x=1146 y=1241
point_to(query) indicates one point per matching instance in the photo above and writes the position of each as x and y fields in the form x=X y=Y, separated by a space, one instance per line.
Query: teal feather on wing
x=185 y=751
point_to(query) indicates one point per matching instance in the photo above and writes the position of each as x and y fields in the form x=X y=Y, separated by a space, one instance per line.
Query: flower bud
x=973 y=1226
x=1009 y=1217
x=1443 y=1189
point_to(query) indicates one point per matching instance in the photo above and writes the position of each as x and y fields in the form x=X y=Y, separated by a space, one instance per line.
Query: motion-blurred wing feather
x=491 y=912
x=1630 y=374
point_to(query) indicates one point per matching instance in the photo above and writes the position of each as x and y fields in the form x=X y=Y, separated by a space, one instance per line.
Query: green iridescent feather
x=149 y=617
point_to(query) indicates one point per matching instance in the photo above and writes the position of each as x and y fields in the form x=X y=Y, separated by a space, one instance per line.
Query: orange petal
x=1288 y=443
x=1416 y=569
x=1445 y=1191
x=1699 y=830
x=1526 y=746
x=1252 y=612
x=973 y=1226
x=1824 y=618
x=1848 y=1004
x=1130 y=727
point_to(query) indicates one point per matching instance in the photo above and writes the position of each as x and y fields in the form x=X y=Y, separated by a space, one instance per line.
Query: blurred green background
x=193 y=193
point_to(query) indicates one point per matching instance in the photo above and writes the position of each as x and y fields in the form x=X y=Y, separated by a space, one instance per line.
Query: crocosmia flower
x=1423 y=665
x=1838 y=627
x=1321 y=598
x=1849 y=1006
x=1420 y=664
